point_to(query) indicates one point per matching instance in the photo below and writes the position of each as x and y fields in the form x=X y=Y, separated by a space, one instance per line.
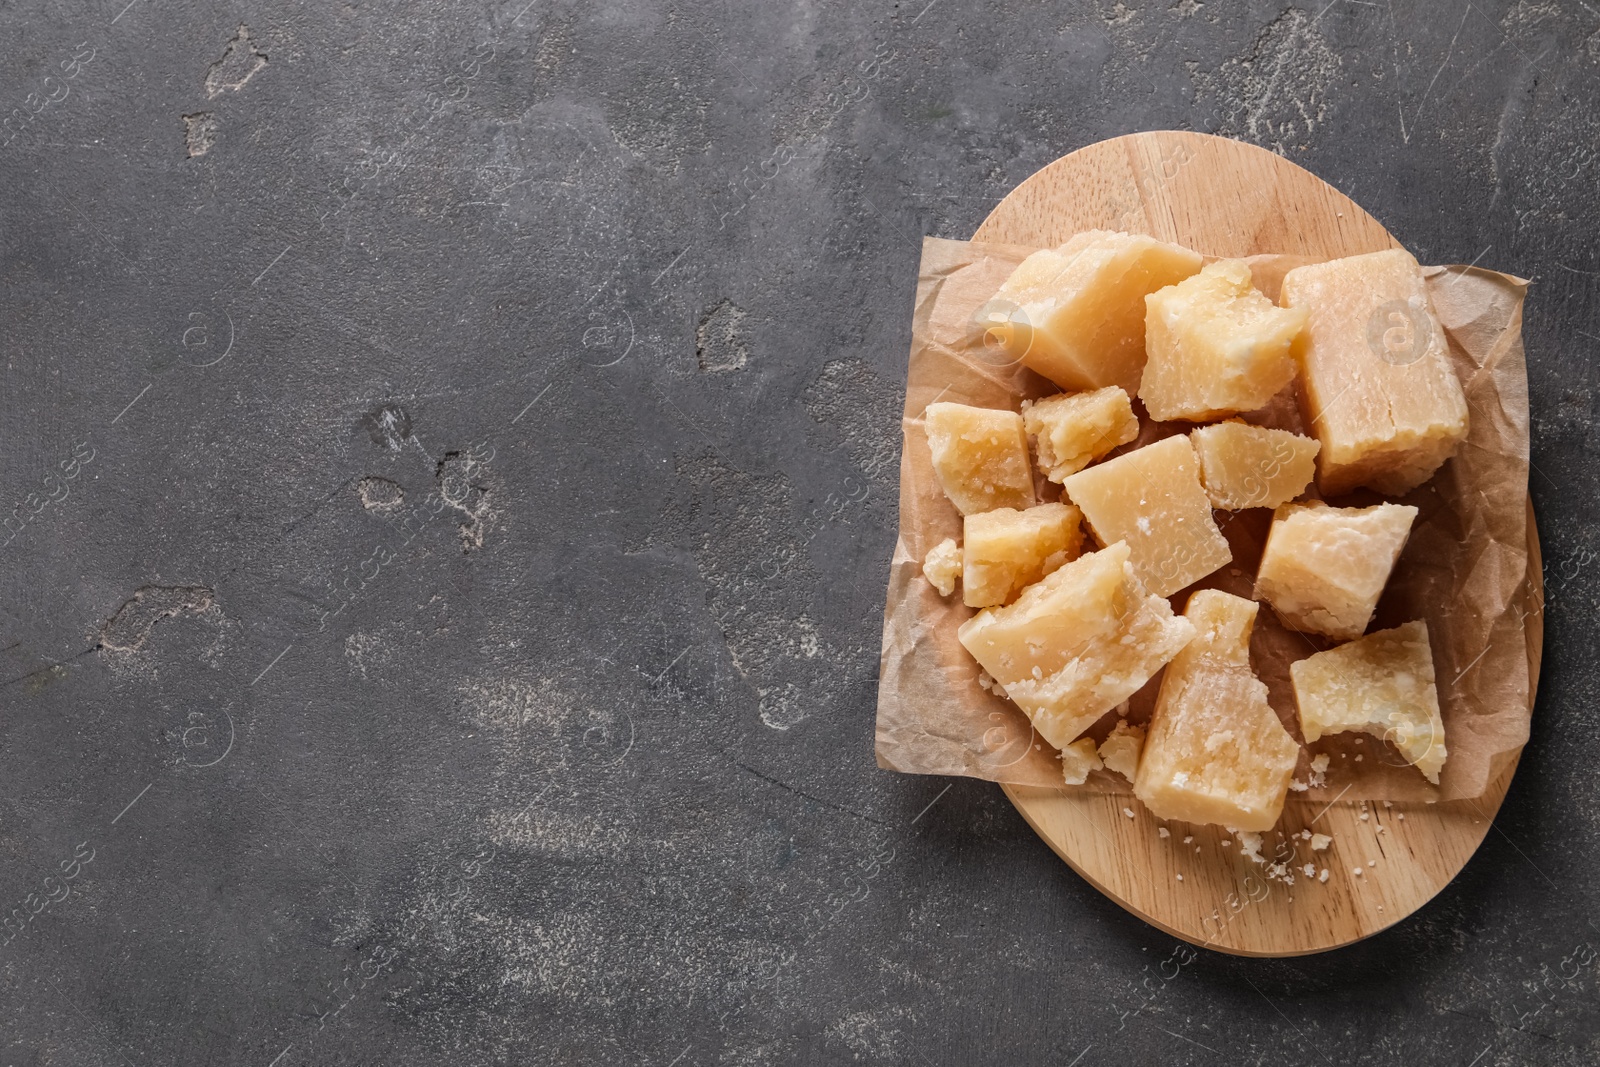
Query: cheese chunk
x=1120 y=750
x=1076 y=644
x=1383 y=685
x=1005 y=550
x=1246 y=466
x=1077 y=760
x=942 y=565
x=1376 y=377
x=1152 y=499
x=1216 y=346
x=1075 y=314
x=1324 y=568
x=1216 y=752
x=980 y=456
x=1072 y=430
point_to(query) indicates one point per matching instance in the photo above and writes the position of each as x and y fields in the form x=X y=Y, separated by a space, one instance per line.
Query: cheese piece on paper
x=980 y=456
x=1077 y=760
x=1076 y=644
x=1152 y=499
x=1216 y=751
x=1072 y=430
x=1075 y=314
x=1216 y=346
x=1324 y=568
x=1005 y=550
x=1383 y=685
x=1376 y=376
x=942 y=565
x=1120 y=750
x=1244 y=466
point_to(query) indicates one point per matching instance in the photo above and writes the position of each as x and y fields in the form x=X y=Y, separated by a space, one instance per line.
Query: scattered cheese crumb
x=1319 y=768
x=1298 y=786
x=1320 y=842
x=1189 y=840
x=1164 y=832
x=1309 y=869
x=1120 y=750
x=1402 y=816
x=1250 y=845
x=1383 y=829
x=1386 y=804
x=1380 y=907
x=1358 y=870
x=1128 y=812
x=942 y=566
x=1358 y=759
x=1323 y=877
x=1077 y=760
x=1180 y=877
x=1363 y=816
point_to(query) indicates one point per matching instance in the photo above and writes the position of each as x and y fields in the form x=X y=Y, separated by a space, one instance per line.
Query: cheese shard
x=1120 y=750
x=1005 y=550
x=1077 y=760
x=1376 y=378
x=1324 y=568
x=1244 y=466
x=1072 y=430
x=1075 y=314
x=980 y=456
x=1152 y=499
x=1076 y=644
x=1382 y=684
x=1216 y=346
x=942 y=565
x=1216 y=751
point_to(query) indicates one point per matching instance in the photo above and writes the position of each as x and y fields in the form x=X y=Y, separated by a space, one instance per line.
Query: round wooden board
x=1225 y=198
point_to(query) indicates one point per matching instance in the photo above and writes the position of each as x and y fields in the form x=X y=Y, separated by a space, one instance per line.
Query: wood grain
x=1225 y=198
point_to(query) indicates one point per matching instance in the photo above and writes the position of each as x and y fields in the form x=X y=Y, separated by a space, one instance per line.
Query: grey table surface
x=450 y=457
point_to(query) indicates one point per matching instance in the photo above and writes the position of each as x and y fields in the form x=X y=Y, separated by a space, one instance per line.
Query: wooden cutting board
x=1232 y=199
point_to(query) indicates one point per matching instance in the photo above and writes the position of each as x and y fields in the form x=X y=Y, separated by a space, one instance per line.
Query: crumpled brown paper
x=1465 y=569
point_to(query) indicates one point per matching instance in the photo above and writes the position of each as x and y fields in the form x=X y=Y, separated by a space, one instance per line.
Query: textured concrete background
x=450 y=462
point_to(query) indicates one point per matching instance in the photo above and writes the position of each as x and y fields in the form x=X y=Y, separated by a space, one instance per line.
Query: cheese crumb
x=1121 y=748
x=1189 y=840
x=1358 y=870
x=1323 y=877
x=1363 y=816
x=1164 y=832
x=1309 y=869
x=1402 y=816
x=1319 y=768
x=1320 y=842
x=1128 y=812
x=1250 y=845
x=1180 y=877
x=942 y=566
x=1298 y=786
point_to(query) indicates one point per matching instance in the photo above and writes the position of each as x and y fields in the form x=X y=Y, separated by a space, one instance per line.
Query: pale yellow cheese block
x=1324 y=568
x=1076 y=313
x=1216 y=751
x=1077 y=643
x=1383 y=685
x=1216 y=346
x=1244 y=466
x=980 y=456
x=942 y=566
x=1072 y=430
x=1376 y=378
x=1152 y=499
x=1005 y=550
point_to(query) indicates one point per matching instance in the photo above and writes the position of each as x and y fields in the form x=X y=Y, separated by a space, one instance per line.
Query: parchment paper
x=1464 y=570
